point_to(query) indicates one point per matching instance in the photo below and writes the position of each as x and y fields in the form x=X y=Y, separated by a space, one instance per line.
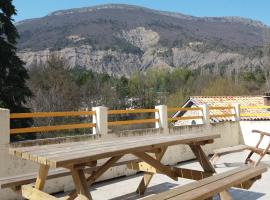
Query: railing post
x=205 y=113
x=162 y=116
x=101 y=120
x=236 y=110
x=4 y=127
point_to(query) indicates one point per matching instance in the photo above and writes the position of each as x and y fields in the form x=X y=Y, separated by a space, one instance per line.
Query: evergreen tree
x=13 y=75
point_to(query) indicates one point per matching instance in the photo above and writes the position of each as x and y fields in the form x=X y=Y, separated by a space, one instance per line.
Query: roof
x=229 y=101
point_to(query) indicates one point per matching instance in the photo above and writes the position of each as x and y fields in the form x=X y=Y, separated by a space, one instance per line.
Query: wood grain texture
x=50 y=114
x=31 y=193
x=95 y=175
x=184 y=118
x=137 y=121
x=210 y=186
x=202 y=158
x=147 y=177
x=117 y=112
x=61 y=155
x=41 y=177
x=51 y=128
x=81 y=184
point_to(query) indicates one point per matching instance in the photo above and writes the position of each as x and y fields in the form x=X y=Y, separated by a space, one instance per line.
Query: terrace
x=127 y=185
x=231 y=132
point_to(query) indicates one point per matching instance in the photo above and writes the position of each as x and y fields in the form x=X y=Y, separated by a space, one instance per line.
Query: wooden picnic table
x=76 y=156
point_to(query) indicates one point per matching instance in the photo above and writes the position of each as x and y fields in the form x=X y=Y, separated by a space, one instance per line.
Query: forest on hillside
x=57 y=87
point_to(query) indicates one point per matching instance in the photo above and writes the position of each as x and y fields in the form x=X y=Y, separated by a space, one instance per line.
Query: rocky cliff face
x=111 y=62
x=120 y=40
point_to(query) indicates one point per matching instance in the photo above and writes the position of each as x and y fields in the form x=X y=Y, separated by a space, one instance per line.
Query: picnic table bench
x=213 y=185
x=76 y=157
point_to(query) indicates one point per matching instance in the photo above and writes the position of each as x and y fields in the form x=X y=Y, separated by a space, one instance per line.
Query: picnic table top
x=65 y=154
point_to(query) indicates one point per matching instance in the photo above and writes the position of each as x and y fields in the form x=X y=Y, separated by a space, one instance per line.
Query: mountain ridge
x=121 y=39
x=168 y=13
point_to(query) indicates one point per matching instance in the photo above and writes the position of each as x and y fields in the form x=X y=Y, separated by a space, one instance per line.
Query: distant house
x=258 y=118
x=222 y=101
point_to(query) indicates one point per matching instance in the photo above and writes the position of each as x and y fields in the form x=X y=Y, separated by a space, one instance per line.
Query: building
x=253 y=113
x=247 y=103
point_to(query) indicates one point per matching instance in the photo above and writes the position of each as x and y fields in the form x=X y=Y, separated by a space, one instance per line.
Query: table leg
x=81 y=184
x=95 y=175
x=207 y=167
x=225 y=195
x=202 y=158
x=148 y=176
x=41 y=177
x=101 y=170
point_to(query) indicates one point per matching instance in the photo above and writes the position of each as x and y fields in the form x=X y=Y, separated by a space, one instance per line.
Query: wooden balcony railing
x=135 y=121
x=222 y=109
x=255 y=111
x=215 y=112
x=50 y=114
x=50 y=128
x=173 y=119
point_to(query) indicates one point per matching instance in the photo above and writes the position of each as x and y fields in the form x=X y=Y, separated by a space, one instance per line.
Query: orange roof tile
x=229 y=101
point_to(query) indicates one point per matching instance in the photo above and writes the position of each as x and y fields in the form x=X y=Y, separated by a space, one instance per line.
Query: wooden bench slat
x=220 y=185
x=231 y=149
x=15 y=181
x=224 y=180
x=257 y=150
x=234 y=149
x=185 y=188
x=238 y=148
x=31 y=193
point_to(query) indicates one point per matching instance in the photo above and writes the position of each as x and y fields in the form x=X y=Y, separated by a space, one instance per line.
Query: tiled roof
x=229 y=101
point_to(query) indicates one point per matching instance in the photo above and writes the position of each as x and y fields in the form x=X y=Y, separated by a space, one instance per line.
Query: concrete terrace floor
x=124 y=188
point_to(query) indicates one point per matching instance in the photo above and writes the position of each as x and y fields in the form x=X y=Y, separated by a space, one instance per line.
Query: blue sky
x=254 y=9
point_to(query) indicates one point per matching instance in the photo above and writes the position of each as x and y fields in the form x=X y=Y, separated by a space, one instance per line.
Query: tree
x=266 y=57
x=54 y=90
x=13 y=75
x=54 y=87
x=221 y=86
x=141 y=88
x=122 y=87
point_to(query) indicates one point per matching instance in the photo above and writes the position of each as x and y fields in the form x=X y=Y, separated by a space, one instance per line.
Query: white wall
x=249 y=138
x=229 y=132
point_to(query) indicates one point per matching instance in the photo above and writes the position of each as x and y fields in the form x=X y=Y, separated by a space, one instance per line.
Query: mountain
x=121 y=39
